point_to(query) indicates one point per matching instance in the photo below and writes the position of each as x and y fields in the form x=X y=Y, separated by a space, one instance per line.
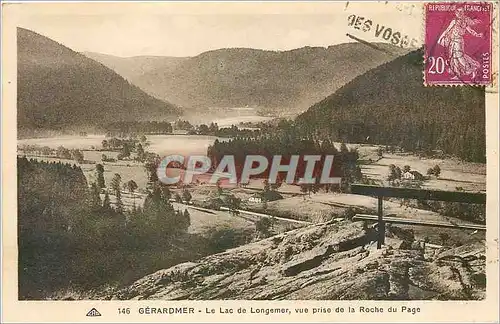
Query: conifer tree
x=100 y=176
x=106 y=204
x=95 y=198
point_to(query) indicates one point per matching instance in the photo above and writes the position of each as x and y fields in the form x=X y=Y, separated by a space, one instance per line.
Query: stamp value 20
x=458 y=43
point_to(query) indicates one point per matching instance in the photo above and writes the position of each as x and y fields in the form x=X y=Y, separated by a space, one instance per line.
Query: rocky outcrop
x=332 y=261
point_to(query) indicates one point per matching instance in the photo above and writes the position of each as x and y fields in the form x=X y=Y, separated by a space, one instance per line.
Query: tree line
x=213 y=129
x=61 y=152
x=124 y=129
x=121 y=128
x=286 y=144
x=126 y=146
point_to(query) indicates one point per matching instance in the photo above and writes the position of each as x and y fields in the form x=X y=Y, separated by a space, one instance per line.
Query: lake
x=228 y=117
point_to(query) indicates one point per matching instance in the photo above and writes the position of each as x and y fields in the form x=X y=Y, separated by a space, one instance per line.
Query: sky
x=188 y=30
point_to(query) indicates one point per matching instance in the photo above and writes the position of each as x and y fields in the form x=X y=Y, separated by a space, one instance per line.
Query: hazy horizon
x=214 y=49
x=163 y=29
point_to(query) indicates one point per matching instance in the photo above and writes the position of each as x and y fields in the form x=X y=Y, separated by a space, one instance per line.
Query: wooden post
x=438 y=195
x=381 y=224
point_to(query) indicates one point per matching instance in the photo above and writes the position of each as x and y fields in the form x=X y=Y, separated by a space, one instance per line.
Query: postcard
x=246 y=162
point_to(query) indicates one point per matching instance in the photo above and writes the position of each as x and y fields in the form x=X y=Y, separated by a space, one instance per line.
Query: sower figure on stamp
x=460 y=64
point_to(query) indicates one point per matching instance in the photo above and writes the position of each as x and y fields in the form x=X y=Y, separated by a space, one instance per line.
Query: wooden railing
x=410 y=193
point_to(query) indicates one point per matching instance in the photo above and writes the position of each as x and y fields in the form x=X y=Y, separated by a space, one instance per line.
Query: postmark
x=381 y=32
x=458 y=43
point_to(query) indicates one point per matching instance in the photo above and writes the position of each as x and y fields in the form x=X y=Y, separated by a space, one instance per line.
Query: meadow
x=314 y=207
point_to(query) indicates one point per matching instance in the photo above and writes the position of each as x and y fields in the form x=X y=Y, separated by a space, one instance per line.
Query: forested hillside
x=71 y=236
x=390 y=105
x=58 y=88
x=274 y=81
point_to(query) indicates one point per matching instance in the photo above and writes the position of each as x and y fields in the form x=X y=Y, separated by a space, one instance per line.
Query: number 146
x=123 y=311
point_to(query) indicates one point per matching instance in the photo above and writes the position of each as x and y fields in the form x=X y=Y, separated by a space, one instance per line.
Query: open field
x=201 y=221
x=315 y=208
x=454 y=173
x=180 y=144
x=128 y=170
x=160 y=144
x=69 y=142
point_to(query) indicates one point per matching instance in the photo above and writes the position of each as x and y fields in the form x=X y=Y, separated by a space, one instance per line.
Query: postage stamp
x=458 y=43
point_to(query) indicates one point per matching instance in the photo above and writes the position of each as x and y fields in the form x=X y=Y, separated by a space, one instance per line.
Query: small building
x=417 y=175
x=256 y=198
x=260 y=197
x=408 y=176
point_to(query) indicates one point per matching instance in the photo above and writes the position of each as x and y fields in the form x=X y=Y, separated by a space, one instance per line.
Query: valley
x=312 y=207
x=96 y=222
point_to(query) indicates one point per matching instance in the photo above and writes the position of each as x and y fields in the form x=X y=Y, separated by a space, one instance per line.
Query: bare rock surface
x=329 y=261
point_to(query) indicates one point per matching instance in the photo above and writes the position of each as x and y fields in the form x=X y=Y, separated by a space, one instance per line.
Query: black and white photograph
x=202 y=155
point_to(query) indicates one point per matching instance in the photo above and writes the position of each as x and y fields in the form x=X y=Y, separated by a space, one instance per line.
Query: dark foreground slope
x=326 y=261
x=59 y=89
x=390 y=105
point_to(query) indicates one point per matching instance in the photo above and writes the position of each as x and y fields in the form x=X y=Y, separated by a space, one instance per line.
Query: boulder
x=329 y=261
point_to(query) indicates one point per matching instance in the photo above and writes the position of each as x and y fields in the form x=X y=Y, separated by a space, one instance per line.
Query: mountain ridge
x=59 y=88
x=290 y=80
